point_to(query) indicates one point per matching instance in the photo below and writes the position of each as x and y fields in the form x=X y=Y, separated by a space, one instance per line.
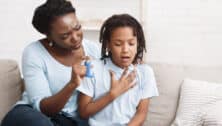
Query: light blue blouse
x=123 y=108
x=44 y=76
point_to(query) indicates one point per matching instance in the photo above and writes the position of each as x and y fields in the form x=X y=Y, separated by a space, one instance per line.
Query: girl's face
x=123 y=46
x=66 y=32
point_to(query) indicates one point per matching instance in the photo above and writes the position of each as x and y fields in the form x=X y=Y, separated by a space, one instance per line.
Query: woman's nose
x=76 y=35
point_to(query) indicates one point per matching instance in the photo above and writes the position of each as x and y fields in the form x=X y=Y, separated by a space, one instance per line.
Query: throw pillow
x=195 y=98
x=213 y=114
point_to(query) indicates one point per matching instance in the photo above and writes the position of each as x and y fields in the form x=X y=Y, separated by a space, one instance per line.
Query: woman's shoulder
x=33 y=47
x=33 y=52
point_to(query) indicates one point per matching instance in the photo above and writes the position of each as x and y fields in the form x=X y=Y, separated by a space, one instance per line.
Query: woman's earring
x=50 y=44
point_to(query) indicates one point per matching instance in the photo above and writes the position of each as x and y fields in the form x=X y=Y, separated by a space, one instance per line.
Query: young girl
x=120 y=90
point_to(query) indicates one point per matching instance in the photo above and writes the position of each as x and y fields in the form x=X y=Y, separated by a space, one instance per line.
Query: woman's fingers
x=79 y=70
x=86 y=58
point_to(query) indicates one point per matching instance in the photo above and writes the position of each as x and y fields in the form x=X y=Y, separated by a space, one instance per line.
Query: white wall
x=16 y=29
x=185 y=31
x=178 y=31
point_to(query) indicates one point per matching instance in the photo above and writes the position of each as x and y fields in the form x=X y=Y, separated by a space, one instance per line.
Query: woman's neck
x=64 y=56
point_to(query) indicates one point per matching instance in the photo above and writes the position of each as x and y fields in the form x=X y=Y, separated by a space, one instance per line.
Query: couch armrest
x=10 y=85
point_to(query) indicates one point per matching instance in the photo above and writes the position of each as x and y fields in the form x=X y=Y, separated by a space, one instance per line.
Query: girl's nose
x=125 y=48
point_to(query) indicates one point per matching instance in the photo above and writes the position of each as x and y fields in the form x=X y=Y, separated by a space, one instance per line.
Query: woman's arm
x=88 y=107
x=38 y=87
x=53 y=104
x=141 y=113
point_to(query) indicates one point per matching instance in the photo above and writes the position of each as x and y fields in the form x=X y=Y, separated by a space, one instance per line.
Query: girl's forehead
x=122 y=31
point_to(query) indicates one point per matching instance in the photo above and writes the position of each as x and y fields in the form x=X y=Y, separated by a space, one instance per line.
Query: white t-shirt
x=44 y=76
x=123 y=108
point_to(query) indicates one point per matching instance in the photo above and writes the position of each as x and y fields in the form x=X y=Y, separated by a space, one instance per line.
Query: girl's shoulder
x=97 y=64
x=92 y=48
x=144 y=68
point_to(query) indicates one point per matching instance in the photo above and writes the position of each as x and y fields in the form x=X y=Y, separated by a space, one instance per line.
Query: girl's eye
x=117 y=44
x=131 y=44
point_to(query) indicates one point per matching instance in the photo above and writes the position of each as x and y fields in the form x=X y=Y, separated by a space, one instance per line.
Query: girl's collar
x=116 y=68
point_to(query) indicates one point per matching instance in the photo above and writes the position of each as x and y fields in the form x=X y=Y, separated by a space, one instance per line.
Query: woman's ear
x=49 y=37
x=50 y=41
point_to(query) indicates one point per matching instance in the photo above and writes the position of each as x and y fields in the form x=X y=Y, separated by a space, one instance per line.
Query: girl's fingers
x=132 y=84
x=112 y=74
x=124 y=74
x=131 y=77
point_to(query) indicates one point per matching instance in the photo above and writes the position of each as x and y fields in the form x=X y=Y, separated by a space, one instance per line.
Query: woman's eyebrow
x=65 y=33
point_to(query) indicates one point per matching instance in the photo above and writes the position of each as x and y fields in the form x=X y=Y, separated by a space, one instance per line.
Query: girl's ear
x=107 y=49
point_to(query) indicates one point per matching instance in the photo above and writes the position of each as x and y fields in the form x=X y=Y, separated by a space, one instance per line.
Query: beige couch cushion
x=169 y=77
x=10 y=83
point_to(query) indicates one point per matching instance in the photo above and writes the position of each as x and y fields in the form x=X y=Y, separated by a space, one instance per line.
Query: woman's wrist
x=72 y=85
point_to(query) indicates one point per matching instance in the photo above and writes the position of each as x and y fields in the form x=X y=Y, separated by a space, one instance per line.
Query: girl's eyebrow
x=122 y=40
x=131 y=39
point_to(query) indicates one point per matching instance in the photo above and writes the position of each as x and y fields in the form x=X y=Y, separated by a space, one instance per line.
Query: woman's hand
x=122 y=85
x=78 y=72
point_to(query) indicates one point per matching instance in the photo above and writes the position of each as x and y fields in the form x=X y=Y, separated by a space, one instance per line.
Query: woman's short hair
x=46 y=13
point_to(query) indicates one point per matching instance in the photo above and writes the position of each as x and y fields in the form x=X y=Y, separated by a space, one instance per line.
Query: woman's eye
x=77 y=27
x=64 y=37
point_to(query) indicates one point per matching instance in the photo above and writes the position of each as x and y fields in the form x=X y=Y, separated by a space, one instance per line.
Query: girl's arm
x=141 y=113
x=88 y=107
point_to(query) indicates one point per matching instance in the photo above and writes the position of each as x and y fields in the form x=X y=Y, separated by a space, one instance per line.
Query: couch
x=10 y=85
x=162 y=109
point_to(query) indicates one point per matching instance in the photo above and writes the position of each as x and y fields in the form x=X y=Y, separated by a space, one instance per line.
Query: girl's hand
x=122 y=85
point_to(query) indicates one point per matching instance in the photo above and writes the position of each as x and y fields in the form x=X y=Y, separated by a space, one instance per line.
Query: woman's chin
x=77 y=47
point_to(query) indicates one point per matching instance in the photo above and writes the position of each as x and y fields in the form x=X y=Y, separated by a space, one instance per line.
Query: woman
x=52 y=69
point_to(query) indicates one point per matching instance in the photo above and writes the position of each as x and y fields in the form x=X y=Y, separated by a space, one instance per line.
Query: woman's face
x=66 y=32
x=123 y=46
